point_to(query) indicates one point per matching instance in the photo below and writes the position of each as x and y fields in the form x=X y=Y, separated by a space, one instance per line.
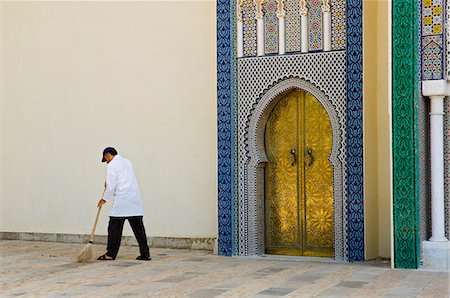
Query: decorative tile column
x=436 y=251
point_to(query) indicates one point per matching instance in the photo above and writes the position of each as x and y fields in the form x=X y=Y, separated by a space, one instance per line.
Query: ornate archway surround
x=260 y=82
x=254 y=169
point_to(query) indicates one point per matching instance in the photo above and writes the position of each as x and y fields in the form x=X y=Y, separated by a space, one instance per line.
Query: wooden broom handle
x=95 y=224
x=96 y=220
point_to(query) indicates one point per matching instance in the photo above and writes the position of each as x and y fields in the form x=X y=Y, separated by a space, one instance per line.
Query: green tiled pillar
x=404 y=133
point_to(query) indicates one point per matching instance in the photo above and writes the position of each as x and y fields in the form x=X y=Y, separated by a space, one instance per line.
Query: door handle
x=294 y=155
x=309 y=152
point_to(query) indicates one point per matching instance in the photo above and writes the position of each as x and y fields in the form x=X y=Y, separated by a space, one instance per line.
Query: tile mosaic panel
x=249 y=27
x=424 y=168
x=432 y=57
x=355 y=163
x=432 y=40
x=447 y=126
x=225 y=91
x=432 y=17
x=255 y=76
x=270 y=27
x=315 y=25
x=293 y=26
x=404 y=135
x=447 y=164
x=338 y=35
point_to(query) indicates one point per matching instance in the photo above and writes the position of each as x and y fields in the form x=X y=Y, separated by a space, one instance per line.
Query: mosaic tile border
x=255 y=76
x=432 y=39
x=404 y=134
x=257 y=156
x=338 y=26
x=225 y=92
x=355 y=160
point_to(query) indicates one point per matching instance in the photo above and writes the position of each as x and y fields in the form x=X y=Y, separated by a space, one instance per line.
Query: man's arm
x=110 y=187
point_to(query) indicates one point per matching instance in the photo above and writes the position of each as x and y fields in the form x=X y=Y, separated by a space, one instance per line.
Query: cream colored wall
x=384 y=128
x=79 y=76
x=376 y=129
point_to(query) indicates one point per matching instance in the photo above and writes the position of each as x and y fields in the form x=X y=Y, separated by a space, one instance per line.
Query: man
x=122 y=185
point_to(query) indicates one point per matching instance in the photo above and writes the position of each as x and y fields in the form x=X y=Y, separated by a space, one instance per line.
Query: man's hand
x=101 y=203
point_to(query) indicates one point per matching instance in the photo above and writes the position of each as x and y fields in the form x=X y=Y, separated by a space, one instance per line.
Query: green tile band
x=405 y=134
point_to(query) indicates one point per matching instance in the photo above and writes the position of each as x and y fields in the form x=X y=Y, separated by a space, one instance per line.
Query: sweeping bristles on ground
x=86 y=255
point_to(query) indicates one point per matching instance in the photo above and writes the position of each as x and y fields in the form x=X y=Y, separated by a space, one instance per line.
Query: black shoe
x=141 y=258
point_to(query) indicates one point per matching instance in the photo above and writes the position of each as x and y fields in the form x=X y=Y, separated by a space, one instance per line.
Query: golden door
x=299 y=210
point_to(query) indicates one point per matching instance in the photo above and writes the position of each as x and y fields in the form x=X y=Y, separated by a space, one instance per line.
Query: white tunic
x=122 y=185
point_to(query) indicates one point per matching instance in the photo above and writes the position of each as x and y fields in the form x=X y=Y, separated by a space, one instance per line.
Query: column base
x=436 y=255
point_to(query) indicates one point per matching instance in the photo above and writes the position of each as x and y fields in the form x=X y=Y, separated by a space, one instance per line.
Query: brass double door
x=299 y=209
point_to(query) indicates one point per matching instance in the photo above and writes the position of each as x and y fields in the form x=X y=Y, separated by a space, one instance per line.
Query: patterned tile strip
x=404 y=138
x=225 y=58
x=355 y=183
x=315 y=25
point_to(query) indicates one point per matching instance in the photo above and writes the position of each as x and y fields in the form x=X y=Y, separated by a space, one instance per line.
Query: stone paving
x=48 y=269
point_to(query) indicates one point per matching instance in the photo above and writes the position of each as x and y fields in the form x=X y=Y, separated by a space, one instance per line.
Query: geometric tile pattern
x=447 y=126
x=249 y=27
x=225 y=91
x=447 y=29
x=315 y=25
x=423 y=126
x=432 y=57
x=325 y=71
x=293 y=26
x=432 y=17
x=270 y=27
x=338 y=35
x=355 y=164
x=404 y=134
x=432 y=24
x=447 y=164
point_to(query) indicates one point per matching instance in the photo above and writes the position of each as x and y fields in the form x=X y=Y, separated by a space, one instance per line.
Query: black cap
x=110 y=150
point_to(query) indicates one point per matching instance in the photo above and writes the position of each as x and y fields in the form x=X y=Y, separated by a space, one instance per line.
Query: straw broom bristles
x=86 y=255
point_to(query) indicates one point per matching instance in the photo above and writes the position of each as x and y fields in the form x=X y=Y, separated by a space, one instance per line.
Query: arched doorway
x=298 y=203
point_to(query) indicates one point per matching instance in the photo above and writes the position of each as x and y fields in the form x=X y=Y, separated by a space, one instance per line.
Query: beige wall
x=376 y=128
x=79 y=76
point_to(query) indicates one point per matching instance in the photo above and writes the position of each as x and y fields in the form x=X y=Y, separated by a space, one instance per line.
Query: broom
x=86 y=255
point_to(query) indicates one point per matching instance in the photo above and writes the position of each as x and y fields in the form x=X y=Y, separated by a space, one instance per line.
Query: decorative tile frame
x=293 y=34
x=229 y=236
x=260 y=80
x=225 y=95
x=338 y=28
x=315 y=25
x=355 y=164
x=432 y=39
x=405 y=134
x=270 y=26
x=447 y=125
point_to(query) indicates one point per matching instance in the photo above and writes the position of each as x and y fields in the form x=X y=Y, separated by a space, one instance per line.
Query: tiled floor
x=43 y=269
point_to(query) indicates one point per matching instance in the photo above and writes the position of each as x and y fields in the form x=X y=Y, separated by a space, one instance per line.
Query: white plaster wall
x=79 y=76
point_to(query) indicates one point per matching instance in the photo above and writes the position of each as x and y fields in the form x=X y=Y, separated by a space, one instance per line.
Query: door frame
x=257 y=159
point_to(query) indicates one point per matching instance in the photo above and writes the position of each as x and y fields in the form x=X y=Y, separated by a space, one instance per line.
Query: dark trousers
x=115 y=229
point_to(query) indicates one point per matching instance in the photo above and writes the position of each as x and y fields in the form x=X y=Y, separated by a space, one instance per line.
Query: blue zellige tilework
x=225 y=125
x=355 y=186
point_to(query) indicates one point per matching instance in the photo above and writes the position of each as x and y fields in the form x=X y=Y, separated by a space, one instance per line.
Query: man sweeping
x=122 y=185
